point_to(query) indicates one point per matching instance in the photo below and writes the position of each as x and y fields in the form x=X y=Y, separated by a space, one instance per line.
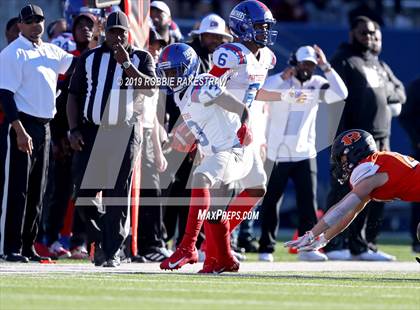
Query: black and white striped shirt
x=96 y=82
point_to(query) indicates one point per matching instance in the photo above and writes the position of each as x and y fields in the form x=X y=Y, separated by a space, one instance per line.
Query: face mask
x=303 y=75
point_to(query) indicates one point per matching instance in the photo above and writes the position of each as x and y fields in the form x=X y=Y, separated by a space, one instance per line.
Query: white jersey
x=245 y=72
x=214 y=127
x=65 y=41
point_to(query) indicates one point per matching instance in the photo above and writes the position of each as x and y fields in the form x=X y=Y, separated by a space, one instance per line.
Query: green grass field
x=176 y=290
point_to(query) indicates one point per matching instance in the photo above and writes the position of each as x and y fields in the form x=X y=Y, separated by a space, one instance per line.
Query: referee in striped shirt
x=103 y=110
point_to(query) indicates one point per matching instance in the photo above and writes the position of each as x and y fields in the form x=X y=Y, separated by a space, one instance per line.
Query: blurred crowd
x=65 y=229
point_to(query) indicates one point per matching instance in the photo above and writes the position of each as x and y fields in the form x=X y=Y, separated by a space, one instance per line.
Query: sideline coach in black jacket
x=366 y=108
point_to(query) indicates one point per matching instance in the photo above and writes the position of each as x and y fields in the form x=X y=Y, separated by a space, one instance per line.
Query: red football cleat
x=231 y=264
x=209 y=265
x=179 y=258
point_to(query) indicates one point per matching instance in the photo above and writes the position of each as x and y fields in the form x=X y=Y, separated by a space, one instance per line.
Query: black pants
x=106 y=164
x=61 y=189
x=22 y=185
x=150 y=225
x=303 y=173
x=366 y=226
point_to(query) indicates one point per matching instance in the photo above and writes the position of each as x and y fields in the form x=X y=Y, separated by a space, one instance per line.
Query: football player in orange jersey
x=373 y=175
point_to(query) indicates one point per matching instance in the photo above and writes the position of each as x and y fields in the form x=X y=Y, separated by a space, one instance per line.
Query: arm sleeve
x=336 y=90
x=362 y=172
x=65 y=60
x=11 y=63
x=206 y=89
x=228 y=56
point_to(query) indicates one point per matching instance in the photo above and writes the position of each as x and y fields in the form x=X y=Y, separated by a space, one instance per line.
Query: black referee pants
x=304 y=176
x=22 y=185
x=106 y=164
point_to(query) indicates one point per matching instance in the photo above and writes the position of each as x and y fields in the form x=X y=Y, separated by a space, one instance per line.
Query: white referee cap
x=306 y=53
x=162 y=6
x=213 y=23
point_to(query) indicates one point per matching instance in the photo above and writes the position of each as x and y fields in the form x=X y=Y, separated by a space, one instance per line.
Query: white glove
x=317 y=244
x=302 y=241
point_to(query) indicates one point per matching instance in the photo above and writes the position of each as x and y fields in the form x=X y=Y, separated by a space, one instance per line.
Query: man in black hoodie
x=366 y=108
x=409 y=119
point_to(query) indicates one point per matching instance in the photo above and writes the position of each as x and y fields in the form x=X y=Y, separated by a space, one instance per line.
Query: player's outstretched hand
x=244 y=134
x=319 y=243
x=302 y=241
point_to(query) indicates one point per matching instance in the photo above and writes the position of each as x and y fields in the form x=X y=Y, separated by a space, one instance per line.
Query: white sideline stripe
x=332 y=305
x=252 y=290
x=211 y=279
x=5 y=193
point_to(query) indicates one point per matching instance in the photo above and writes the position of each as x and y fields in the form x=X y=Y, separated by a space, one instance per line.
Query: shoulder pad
x=362 y=172
x=206 y=88
x=228 y=56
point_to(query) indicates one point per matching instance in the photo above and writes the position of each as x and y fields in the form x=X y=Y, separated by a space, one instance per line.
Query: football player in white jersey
x=244 y=65
x=219 y=122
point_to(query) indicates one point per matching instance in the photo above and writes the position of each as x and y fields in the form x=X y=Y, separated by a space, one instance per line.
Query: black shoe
x=16 y=258
x=99 y=258
x=139 y=259
x=157 y=255
x=113 y=262
x=33 y=256
x=37 y=258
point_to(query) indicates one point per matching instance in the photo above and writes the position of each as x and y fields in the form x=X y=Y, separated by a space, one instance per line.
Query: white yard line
x=247 y=268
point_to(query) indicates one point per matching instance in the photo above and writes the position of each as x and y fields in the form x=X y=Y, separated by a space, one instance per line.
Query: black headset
x=292 y=61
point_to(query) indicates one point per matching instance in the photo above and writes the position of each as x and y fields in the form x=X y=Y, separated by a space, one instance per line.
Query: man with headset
x=291 y=151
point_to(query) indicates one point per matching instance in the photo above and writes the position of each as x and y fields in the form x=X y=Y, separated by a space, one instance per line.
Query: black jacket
x=410 y=114
x=366 y=105
x=204 y=55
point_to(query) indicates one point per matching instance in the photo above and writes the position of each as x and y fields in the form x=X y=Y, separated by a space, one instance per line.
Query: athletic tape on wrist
x=341 y=209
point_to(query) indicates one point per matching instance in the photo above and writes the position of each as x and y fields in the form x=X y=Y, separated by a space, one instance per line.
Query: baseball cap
x=306 y=53
x=160 y=5
x=117 y=20
x=30 y=10
x=213 y=23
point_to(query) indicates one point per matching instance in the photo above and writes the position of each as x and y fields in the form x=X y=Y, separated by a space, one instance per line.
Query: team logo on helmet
x=237 y=14
x=351 y=138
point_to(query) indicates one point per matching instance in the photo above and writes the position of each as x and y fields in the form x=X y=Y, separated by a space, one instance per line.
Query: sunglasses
x=365 y=33
x=33 y=19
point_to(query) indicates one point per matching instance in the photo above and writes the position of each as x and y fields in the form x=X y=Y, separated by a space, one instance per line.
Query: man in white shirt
x=291 y=151
x=28 y=77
